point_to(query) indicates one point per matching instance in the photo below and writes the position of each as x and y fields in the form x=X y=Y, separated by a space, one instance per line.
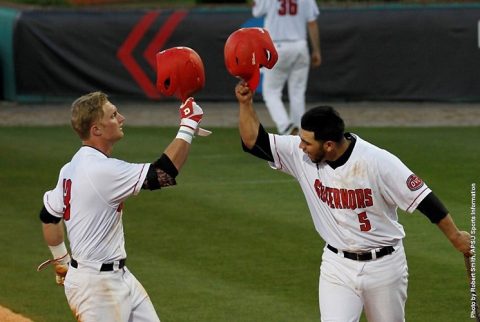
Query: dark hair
x=325 y=122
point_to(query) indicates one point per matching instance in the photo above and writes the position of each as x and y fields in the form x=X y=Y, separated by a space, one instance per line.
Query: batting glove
x=190 y=113
x=61 y=268
x=190 y=116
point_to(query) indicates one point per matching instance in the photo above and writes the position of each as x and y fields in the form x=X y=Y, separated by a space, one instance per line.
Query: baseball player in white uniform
x=89 y=198
x=288 y=22
x=353 y=190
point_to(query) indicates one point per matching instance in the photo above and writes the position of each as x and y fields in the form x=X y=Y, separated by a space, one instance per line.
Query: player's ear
x=95 y=130
x=329 y=146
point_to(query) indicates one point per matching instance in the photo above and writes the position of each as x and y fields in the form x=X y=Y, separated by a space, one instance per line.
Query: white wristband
x=188 y=122
x=185 y=133
x=58 y=251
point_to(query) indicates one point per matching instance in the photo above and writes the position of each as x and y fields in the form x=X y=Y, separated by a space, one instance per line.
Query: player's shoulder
x=287 y=144
x=64 y=169
x=93 y=160
x=366 y=149
x=373 y=153
x=285 y=139
x=363 y=144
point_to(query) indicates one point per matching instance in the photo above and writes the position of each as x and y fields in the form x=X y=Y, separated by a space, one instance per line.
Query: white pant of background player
x=377 y=286
x=293 y=65
x=110 y=296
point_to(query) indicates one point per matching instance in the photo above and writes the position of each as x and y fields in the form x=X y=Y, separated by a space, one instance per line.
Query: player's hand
x=60 y=266
x=190 y=114
x=243 y=93
x=316 y=59
x=61 y=269
x=462 y=242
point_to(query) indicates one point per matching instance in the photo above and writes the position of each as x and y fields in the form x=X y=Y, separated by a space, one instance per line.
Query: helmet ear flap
x=272 y=57
x=246 y=51
x=165 y=74
x=265 y=44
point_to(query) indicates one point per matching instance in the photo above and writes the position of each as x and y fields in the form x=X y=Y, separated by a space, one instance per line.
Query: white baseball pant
x=377 y=286
x=107 y=296
x=293 y=66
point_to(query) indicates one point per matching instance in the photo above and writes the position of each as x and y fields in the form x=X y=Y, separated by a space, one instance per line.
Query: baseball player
x=353 y=190
x=89 y=199
x=288 y=22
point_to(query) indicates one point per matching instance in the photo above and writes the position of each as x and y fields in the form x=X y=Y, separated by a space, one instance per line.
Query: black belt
x=364 y=256
x=106 y=267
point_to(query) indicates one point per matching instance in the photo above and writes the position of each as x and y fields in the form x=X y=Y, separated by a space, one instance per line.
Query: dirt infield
x=8 y=316
x=224 y=114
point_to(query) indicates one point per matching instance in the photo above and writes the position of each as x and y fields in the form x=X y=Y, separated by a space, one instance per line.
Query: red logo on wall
x=414 y=182
x=124 y=53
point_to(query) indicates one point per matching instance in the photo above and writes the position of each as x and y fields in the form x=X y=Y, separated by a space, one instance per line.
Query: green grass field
x=233 y=241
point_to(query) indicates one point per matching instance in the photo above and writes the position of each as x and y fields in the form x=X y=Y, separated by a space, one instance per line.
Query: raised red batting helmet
x=180 y=72
x=248 y=49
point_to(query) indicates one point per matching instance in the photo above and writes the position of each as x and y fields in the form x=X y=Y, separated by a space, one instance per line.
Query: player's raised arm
x=163 y=171
x=248 y=123
x=190 y=117
x=246 y=51
x=255 y=139
x=180 y=73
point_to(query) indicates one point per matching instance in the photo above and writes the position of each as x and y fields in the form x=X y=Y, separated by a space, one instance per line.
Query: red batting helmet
x=180 y=72
x=248 y=49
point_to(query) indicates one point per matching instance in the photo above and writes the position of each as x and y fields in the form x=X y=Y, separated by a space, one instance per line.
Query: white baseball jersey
x=286 y=20
x=89 y=196
x=354 y=207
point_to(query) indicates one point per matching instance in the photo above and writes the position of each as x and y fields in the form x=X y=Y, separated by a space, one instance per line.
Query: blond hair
x=85 y=111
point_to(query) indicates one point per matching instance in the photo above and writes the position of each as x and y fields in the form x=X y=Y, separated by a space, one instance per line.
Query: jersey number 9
x=67 y=188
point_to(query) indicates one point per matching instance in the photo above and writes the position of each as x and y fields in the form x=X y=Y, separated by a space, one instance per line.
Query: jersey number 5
x=289 y=7
x=67 y=189
x=364 y=221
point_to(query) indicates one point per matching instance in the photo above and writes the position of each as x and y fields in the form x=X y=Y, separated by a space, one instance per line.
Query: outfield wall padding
x=387 y=53
x=8 y=18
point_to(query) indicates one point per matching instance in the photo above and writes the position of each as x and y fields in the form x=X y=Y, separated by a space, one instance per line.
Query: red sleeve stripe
x=139 y=176
x=421 y=193
x=276 y=152
x=51 y=210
